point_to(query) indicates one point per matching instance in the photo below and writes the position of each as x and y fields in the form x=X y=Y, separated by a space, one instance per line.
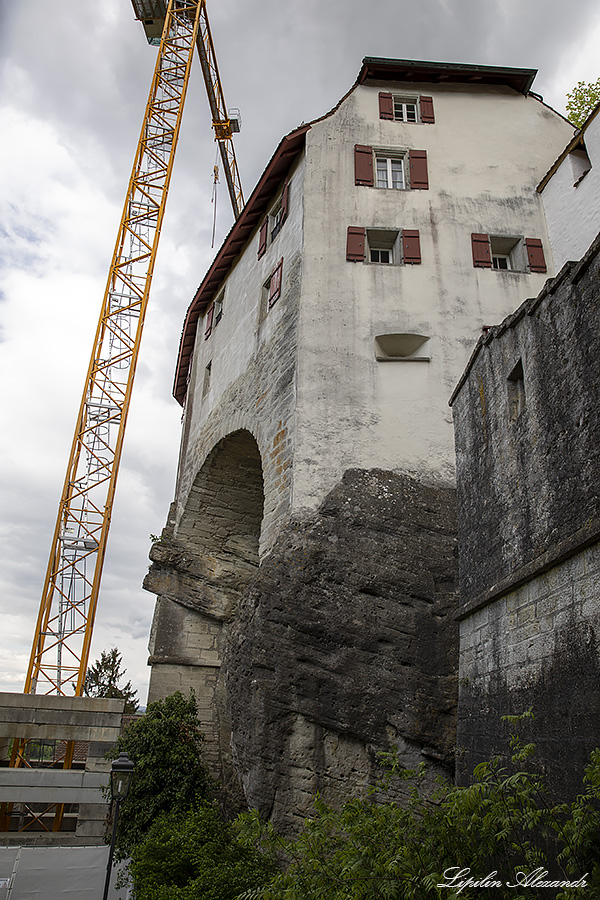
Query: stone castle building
x=306 y=578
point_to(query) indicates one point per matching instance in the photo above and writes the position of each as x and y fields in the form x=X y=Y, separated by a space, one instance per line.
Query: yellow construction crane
x=61 y=645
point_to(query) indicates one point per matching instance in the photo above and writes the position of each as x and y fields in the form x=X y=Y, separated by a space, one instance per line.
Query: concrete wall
x=486 y=152
x=59 y=718
x=528 y=466
x=572 y=202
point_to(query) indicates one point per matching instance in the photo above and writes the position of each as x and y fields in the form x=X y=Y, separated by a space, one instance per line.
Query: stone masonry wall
x=528 y=463
x=536 y=647
x=528 y=439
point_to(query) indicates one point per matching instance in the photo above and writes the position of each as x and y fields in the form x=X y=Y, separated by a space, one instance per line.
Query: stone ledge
x=580 y=540
x=181 y=661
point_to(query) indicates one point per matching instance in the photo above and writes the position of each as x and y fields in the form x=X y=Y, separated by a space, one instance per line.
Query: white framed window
x=405 y=109
x=390 y=172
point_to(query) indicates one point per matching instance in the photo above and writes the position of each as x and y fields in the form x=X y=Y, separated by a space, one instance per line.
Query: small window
x=206 y=382
x=405 y=110
x=390 y=172
x=274 y=220
x=272 y=286
x=516 y=392
x=383 y=246
x=507 y=253
x=214 y=315
x=397 y=170
x=401 y=108
x=580 y=163
x=218 y=309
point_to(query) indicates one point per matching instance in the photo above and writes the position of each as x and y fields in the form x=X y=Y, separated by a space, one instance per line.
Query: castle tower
x=306 y=577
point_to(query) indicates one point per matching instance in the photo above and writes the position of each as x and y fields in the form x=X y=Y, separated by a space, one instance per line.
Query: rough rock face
x=345 y=645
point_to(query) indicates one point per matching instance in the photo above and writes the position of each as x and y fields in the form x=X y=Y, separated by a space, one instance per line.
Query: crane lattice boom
x=61 y=645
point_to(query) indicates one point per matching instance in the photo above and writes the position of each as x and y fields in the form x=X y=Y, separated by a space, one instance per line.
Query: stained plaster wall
x=572 y=202
x=252 y=353
x=486 y=152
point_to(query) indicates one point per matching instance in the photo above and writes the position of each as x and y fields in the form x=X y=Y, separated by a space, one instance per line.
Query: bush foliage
x=166 y=747
x=198 y=856
x=504 y=831
x=502 y=837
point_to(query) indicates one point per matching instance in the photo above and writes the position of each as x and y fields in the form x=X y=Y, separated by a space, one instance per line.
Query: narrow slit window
x=516 y=392
x=206 y=382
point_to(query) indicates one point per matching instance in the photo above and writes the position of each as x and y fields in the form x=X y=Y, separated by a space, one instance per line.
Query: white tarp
x=56 y=873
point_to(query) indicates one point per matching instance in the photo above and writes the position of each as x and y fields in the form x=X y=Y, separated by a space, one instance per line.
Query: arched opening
x=221 y=522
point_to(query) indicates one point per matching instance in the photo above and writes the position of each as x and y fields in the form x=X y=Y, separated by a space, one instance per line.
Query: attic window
x=402 y=348
x=399 y=108
x=405 y=110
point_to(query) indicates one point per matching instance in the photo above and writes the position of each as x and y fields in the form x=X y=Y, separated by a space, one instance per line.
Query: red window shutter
x=411 y=247
x=482 y=257
x=284 y=202
x=209 y=321
x=275 y=284
x=355 y=244
x=535 y=255
x=427 y=110
x=262 y=240
x=419 y=178
x=363 y=165
x=386 y=106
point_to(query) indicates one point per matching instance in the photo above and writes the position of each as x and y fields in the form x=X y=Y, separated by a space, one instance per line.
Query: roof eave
x=380 y=69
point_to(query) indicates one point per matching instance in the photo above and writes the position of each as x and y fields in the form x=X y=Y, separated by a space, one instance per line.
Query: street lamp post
x=121 y=771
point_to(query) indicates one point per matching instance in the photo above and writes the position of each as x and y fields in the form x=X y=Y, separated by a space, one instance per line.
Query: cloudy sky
x=74 y=77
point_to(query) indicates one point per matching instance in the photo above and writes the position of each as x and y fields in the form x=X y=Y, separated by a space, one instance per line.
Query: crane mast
x=60 y=652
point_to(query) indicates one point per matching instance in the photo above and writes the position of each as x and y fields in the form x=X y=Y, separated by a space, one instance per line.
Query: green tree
x=166 y=747
x=198 y=857
x=102 y=680
x=582 y=100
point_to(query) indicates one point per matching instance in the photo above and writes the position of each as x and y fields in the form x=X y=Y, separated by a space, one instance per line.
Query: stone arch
x=221 y=522
x=200 y=574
